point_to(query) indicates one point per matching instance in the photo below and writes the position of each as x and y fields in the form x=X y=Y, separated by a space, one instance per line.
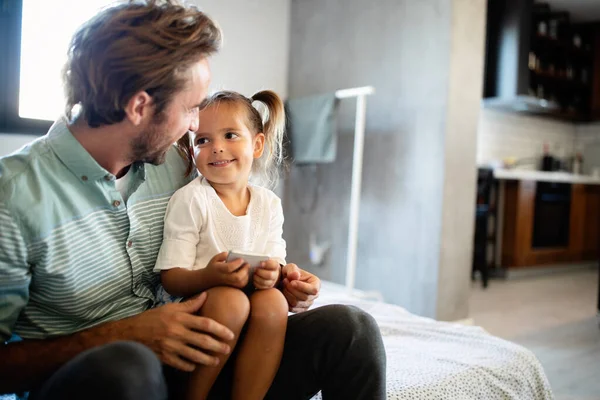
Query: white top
x=543 y=176
x=199 y=226
x=122 y=185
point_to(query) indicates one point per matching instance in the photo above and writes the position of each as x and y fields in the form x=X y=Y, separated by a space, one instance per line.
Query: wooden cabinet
x=517 y=235
x=591 y=238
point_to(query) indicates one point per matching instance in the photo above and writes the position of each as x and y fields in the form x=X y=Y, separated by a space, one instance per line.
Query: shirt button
x=116 y=203
x=129 y=243
x=108 y=178
x=84 y=178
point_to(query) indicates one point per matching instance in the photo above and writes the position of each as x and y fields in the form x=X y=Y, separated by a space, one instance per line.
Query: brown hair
x=272 y=125
x=140 y=45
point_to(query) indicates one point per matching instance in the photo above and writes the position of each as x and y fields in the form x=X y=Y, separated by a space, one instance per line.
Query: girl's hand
x=221 y=272
x=267 y=275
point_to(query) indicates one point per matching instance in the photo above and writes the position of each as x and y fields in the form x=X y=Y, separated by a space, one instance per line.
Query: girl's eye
x=230 y=135
x=201 y=141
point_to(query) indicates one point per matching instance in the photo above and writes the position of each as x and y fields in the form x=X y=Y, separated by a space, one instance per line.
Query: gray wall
x=404 y=49
x=464 y=99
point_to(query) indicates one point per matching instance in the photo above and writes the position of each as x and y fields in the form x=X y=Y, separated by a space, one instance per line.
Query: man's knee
x=350 y=319
x=130 y=368
x=121 y=371
x=355 y=329
x=357 y=353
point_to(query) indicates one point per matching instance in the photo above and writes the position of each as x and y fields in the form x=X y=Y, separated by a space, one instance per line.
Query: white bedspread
x=428 y=359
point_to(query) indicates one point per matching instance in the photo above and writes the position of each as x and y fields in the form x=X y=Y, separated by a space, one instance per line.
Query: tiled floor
x=555 y=317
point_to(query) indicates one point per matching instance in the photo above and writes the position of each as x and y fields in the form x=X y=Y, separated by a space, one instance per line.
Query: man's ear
x=139 y=108
x=259 y=145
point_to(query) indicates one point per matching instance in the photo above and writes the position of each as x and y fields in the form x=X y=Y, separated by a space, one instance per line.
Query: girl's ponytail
x=273 y=129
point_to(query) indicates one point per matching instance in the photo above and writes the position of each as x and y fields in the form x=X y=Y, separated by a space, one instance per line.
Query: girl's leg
x=230 y=307
x=260 y=351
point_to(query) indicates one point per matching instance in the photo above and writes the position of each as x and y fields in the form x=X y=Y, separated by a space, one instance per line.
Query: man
x=82 y=210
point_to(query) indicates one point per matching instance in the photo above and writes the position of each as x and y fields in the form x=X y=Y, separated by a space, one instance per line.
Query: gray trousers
x=336 y=349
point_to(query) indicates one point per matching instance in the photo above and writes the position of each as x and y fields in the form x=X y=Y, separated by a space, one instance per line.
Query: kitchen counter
x=530 y=175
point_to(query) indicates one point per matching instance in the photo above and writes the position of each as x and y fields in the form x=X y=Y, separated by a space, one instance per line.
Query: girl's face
x=224 y=148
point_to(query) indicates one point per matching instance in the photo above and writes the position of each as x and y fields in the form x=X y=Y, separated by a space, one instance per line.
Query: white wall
x=502 y=135
x=12 y=142
x=254 y=54
x=588 y=141
x=255 y=47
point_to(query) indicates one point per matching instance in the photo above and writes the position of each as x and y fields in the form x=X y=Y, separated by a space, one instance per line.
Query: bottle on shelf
x=541 y=92
x=553 y=28
x=533 y=62
x=542 y=27
x=577 y=167
x=570 y=72
x=577 y=40
x=584 y=75
x=547 y=159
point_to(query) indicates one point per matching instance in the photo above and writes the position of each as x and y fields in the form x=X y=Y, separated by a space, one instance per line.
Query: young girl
x=221 y=211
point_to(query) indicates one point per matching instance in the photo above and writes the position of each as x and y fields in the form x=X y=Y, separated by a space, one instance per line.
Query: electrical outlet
x=317 y=251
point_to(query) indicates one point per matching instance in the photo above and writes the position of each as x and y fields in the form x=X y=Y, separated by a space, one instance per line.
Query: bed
x=428 y=359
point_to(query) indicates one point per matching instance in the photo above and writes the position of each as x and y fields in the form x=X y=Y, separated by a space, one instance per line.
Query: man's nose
x=194 y=123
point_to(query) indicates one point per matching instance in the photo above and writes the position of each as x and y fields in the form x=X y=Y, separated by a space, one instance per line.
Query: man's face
x=179 y=117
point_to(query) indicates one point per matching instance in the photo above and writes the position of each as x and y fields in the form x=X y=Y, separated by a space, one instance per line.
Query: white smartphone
x=254 y=260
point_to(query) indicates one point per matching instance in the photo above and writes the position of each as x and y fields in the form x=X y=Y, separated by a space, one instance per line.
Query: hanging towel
x=312 y=128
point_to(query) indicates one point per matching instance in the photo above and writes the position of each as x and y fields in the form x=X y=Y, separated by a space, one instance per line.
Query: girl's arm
x=177 y=255
x=276 y=246
x=184 y=282
x=270 y=275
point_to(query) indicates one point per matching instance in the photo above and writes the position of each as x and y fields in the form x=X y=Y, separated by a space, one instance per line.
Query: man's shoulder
x=20 y=166
x=171 y=172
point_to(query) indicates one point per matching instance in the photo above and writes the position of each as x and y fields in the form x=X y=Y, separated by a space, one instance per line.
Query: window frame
x=11 y=18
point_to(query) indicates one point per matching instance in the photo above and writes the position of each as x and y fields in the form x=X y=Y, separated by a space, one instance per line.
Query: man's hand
x=267 y=275
x=179 y=337
x=300 y=288
x=234 y=273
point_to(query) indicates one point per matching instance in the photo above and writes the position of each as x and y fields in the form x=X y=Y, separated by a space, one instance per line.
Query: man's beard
x=148 y=146
x=144 y=151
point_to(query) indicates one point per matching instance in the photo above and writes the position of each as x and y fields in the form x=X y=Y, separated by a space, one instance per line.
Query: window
x=34 y=37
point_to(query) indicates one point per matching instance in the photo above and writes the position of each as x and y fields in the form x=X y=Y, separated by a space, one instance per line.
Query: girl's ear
x=259 y=144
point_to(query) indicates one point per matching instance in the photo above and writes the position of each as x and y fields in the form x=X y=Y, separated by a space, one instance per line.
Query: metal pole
x=357 y=163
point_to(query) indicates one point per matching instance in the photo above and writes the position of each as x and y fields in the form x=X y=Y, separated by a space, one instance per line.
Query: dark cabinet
x=538 y=61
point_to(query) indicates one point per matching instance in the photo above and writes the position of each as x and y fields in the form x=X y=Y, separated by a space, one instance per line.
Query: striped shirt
x=73 y=253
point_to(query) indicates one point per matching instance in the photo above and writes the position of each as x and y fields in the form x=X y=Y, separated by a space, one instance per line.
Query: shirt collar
x=77 y=159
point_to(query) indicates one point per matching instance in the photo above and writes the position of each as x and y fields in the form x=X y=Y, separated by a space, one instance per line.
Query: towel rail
x=361 y=94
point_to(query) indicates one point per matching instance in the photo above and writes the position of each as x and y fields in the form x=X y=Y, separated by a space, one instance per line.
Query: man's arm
x=27 y=364
x=177 y=336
